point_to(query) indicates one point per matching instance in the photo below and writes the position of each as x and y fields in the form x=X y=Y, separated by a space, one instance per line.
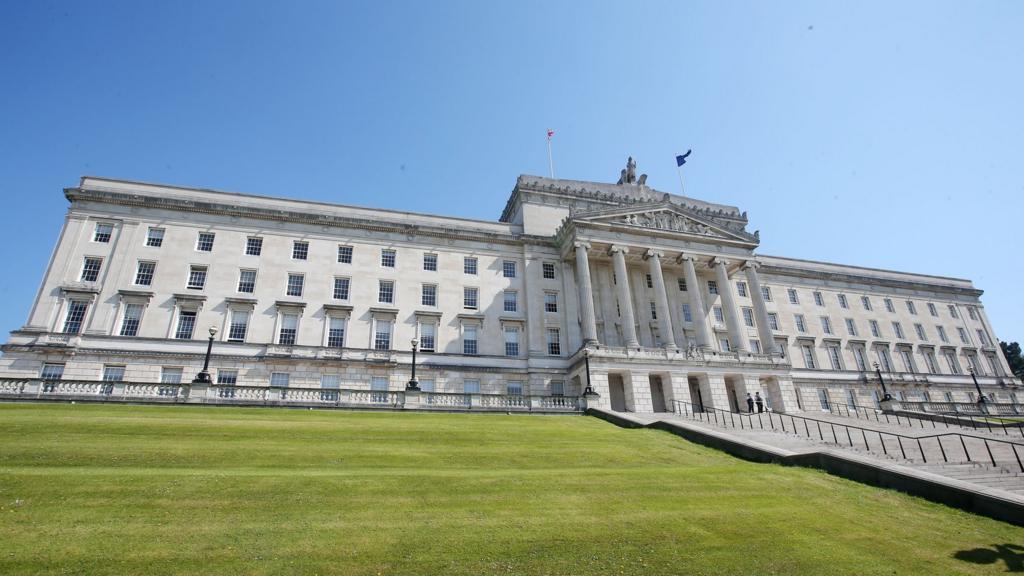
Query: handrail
x=689 y=409
x=945 y=419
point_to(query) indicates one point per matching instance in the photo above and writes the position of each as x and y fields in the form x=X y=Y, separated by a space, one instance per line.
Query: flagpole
x=682 y=189
x=551 y=163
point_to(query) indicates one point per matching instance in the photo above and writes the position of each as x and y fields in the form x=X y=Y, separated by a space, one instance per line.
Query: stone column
x=732 y=313
x=700 y=313
x=586 y=293
x=625 y=299
x=661 y=299
x=764 y=329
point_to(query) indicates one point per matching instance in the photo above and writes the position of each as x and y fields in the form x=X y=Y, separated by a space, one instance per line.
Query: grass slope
x=90 y=489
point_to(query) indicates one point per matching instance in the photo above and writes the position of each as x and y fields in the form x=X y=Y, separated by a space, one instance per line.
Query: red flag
x=550 y=133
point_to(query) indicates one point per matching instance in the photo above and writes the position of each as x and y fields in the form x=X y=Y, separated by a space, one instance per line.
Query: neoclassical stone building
x=647 y=296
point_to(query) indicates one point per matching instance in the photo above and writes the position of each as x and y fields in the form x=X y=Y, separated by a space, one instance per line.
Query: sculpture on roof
x=628 y=174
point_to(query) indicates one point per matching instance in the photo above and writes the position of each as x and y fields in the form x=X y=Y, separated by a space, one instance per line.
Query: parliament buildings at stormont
x=647 y=297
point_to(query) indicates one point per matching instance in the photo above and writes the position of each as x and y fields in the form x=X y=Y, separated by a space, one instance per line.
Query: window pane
x=130 y=321
x=186 y=324
x=75 y=317
x=254 y=246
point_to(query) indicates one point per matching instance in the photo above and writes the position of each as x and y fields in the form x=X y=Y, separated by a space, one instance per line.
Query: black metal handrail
x=964 y=420
x=729 y=418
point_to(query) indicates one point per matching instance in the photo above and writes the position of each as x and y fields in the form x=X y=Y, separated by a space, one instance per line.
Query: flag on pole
x=681 y=158
x=550 y=133
x=551 y=163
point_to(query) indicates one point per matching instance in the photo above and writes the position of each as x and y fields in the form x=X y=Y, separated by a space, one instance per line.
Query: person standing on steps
x=750 y=404
x=759 y=401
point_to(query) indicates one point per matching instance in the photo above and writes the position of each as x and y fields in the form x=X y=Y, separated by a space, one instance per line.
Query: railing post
x=1017 y=456
x=964 y=444
x=987 y=447
x=899 y=439
x=943 y=450
x=923 y=457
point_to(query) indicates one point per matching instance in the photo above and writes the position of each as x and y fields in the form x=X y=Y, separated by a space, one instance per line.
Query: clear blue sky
x=886 y=134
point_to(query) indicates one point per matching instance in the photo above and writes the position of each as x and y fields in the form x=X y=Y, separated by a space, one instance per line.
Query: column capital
x=618 y=248
x=718 y=261
x=685 y=256
x=652 y=253
x=581 y=244
x=751 y=264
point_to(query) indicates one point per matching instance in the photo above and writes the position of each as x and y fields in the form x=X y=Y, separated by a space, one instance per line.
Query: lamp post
x=586 y=358
x=981 y=395
x=885 y=393
x=413 y=384
x=204 y=376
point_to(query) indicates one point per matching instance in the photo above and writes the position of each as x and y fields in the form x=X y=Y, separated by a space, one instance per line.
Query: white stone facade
x=662 y=295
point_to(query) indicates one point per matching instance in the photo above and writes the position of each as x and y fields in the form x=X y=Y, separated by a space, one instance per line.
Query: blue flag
x=681 y=159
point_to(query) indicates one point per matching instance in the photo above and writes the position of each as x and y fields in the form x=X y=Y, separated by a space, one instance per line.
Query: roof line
x=868 y=268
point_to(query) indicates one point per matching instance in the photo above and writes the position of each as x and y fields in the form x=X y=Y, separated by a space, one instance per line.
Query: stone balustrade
x=693 y=357
x=967 y=408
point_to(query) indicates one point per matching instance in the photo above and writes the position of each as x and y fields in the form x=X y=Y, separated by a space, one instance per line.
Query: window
x=227 y=377
x=994 y=364
x=911 y=308
x=885 y=359
x=650 y=282
x=470 y=386
x=801 y=326
x=972 y=312
x=253 y=246
x=247 y=281
x=239 y=326
x=654 y=311
x=558 y=387
x=289 y=328
x=932 y=310
x=875 y=330
x=511 y=341
x=851 y=327
x=430 y=262
x=52 y=372
x=427 y=384
x=387 y=258
x=428 y=337
x=382 y=336
x=929 y=360
x=748 y=317
x=834 y=357
x=196 y=277
x=131 y=320
x=719 y=315
x=942 y=333
x=741 y=289
x=300 y=250
x=549 y=270
x=186 y=325
x=469 y=340
x=91 y=269
x=826 y=324
x=170 y=375
x=687 y=315
x=808 y=357
x=554 y=342
x=954 y=365
x=344 y=254
x=766 y=293
x=511 y=301
x=897 y=329
x=144 y=273
x=341 y=288
x=75 y=317
x=773 y=320
x=386 y=292
x=428 y=295
x=952 y=312
x=842 y=301
x=755 y=345
x=155 y=237
x=921 y=335
x=866 y=303
x=295 y=284
x=908 y=360
x=963 y=335
x=682 y=284
x=336 y=332
x=983 y=338
x=204 y=243
x=508 y=269
x=858 y=357
x=469 y=298
x=514 y=388
x=280 y=379
x=551 y=301
x=469 y=265
x=793 y=298
x=113 y=373
x=818 y=299
x=888 y=305
x=723 y=345
x=103 y=233
x=712 y=287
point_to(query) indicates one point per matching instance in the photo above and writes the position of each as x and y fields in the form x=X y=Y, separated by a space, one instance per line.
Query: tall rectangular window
x=131 y=319
x=911 y=308
x=300 y=250
x=932 y=310
x=972 y=312
x=952 y=312
x=511 y=301
x=723 y=345
x=102 y=233
x=929 y=360
x=469 y=265
x=954 y=365
x=428 y=296
x=921 y=335
x=773 y=320
x=382 y=336
x=289 y=329
x=430 y=262
x=885 y=359
x=654 y=310
x=963 y=335
x=239 y=325
x=834 y=357
x=91 y=269
x=801 y=325
x=826 y=324
x=387 y=258
x=719 y=315
x=144 y=273
x=511 y=341
x=344 y=254
x=75 y=317
x=549 y=270
x=196 y=277
x=428 y=337
x=246 y=281
x=650 y=282
x=809 y=357
x=819 y=299
x=843 y=303
x=860 y=359
x=942 y=333
x=908 y=360
x=558 y=387
x=186 y=325
x=687 y=314
x=741 y=289
x=253 y=246
x=469 y=298
x=336 y=332
x=983 y=338
x=113 y=373
x=766 y=293
x=296 y=282
x=554 y=342
x=712 y=287
x=748 y=317
x=52 y=371
x=386 y=292
x=875 y=330
x=551 y=301
x=897 y=330
x=155 y=237
x=851 y=327
x=682 y=284
x=866 y=303
x=508 y=268
x=204 y=242
x=469 y=340
x=793 y=298
x=341 y=288
x=888 y=305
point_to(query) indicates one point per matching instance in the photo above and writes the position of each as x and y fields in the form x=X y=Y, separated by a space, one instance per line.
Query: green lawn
x=90 y=489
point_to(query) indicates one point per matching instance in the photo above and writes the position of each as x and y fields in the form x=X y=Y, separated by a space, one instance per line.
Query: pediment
x=665 y=217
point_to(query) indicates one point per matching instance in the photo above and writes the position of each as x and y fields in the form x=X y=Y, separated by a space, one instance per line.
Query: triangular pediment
x=664 y=217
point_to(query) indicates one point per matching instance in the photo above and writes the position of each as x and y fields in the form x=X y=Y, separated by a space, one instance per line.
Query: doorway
x=617 y=392
x=657 y=394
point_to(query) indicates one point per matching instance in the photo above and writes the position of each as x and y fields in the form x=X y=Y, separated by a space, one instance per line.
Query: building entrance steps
x=910 y=426
x=926 y=423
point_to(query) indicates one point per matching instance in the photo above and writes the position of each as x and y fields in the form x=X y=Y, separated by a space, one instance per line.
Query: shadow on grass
x=1011 y=554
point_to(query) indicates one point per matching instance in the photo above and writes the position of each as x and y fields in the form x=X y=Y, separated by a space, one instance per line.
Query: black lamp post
x=981 y=395
x=885 y=393
x=586 y=358
x=413 y=385
x=204 y=376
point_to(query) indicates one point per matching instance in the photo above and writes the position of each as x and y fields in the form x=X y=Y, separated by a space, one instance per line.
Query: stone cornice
x=804 y=273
